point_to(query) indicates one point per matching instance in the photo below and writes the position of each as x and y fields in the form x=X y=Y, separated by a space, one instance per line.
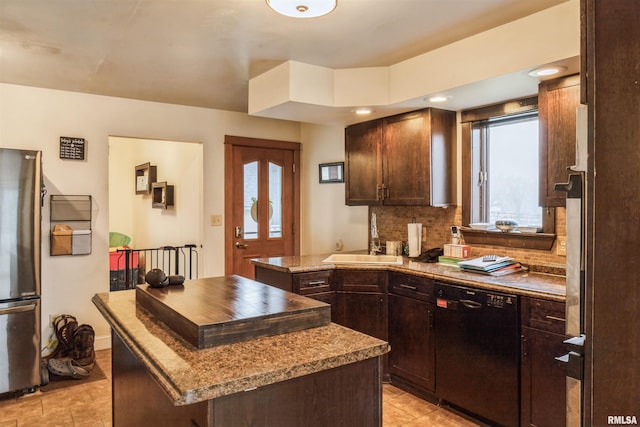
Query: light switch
x=216 y=220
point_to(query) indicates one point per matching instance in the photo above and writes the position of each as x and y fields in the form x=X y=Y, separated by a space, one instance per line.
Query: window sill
x=539 y=241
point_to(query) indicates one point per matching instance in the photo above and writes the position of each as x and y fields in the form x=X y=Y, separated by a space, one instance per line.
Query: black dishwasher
x=477 y=352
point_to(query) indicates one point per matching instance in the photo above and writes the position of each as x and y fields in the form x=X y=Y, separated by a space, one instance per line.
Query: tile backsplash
x=436 y=224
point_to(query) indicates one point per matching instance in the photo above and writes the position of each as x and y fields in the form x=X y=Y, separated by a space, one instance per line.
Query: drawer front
x=312 y=283
x=361 y=281
x=544 y=315
x=420 y=288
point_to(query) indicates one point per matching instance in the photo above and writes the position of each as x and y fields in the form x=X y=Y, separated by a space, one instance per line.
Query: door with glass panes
x=263 y=206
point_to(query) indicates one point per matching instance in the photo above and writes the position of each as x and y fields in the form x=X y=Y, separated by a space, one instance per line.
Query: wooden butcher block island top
x=224 y=310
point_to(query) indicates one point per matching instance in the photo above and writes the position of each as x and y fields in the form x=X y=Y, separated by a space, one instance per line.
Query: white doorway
x=132 y=213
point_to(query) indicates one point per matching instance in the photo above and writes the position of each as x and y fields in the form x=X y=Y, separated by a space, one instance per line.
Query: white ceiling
x=203 y=52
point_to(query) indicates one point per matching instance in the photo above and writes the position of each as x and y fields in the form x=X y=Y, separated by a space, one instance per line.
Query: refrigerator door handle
x=17 y=309
x=573 y=361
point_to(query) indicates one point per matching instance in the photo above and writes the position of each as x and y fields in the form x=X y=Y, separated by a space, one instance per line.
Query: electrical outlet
x=561 y=246
x=52 y=317
x=216 y=220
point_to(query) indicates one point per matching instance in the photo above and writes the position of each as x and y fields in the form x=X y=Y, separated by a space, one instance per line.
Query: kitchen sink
x=362 y=259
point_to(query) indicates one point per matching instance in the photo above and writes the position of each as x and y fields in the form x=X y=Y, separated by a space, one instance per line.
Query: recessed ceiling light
x=438 y=98
x=363 y=111
x=546 y=71
x=302 y=8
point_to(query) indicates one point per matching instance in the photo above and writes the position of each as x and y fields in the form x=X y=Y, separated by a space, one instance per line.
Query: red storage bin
x=117 y=260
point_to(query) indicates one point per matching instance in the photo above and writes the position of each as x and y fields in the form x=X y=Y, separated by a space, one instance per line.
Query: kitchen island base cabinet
x=138 y=399
x=348 y=395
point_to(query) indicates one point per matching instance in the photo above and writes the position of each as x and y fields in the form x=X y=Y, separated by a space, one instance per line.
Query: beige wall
x=327 y=220
x=179 y=164
x=33 y=118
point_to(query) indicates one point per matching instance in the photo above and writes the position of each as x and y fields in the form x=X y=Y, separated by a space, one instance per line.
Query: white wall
x=33 y=118
x=327 y=219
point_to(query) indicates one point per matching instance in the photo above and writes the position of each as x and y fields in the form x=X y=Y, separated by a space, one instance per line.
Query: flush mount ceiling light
x=546 y=71
x=302 y=8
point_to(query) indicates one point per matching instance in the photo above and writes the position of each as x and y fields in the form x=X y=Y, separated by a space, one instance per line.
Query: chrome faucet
x=375 y=243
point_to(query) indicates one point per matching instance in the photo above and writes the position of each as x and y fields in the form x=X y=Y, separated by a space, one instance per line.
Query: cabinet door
x=443 y=158
x=543 y=394
x=363 y=183
x=412 y=341
x=363 y=312
x=558 y=100
x=326 y=297
x=418 y=158
x=406 y=160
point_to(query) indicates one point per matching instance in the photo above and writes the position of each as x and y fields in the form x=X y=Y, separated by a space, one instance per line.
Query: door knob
x=241 y=246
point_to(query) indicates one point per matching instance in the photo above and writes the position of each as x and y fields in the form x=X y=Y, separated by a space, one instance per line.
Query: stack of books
x=451 y=261
x=491 y=264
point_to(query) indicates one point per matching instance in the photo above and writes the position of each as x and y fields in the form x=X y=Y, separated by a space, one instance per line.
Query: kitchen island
x=326 y=375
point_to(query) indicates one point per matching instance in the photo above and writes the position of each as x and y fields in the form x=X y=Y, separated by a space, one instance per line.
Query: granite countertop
x=524 y=283
x=190 y=375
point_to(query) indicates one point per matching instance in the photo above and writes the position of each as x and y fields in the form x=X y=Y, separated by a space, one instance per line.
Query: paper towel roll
x=415 y=238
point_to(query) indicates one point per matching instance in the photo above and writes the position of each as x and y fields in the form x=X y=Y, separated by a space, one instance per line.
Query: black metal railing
x=129 y=266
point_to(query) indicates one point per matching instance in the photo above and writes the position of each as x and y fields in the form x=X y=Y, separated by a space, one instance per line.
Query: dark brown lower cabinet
x=361 y=301
x=399 y=308
x=361 y=304
x=412 y=340
x=362 y=312
x=412 y=361
x=543 y=380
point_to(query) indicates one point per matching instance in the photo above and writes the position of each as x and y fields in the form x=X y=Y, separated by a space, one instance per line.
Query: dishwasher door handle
x=470 y=304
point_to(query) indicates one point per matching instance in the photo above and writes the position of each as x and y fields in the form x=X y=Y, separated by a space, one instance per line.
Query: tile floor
x=90 y=405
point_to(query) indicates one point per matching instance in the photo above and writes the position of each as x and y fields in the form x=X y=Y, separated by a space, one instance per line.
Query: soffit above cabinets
x=482 y=69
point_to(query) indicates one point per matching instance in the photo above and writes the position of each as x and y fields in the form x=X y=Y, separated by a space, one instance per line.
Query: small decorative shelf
x=162 y=195
x=146 y=175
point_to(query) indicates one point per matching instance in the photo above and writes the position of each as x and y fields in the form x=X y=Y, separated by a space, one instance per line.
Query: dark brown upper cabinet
x=403 y=160
x=558 y=100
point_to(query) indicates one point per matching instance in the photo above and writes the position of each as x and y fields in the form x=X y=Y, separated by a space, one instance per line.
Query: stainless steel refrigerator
x=20 y=204
x=576 y=272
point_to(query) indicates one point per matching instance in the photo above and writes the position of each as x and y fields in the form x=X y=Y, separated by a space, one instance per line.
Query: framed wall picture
x=331 y=172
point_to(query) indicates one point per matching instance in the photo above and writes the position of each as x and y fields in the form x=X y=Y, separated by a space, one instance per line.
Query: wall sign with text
x=72 y=148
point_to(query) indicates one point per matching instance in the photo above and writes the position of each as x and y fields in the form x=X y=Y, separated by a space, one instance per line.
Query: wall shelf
x=162 y=195
x=70 y=218
x=146 y=175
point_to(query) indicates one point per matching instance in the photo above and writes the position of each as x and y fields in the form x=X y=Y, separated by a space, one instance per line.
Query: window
x=504 y=163
x=500 y=175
